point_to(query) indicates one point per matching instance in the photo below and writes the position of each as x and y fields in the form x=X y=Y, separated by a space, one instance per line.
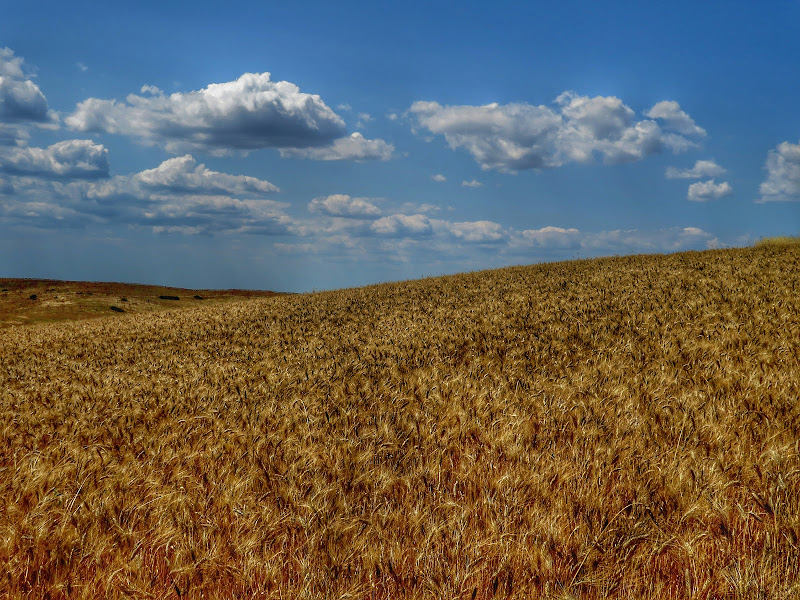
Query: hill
x=614 y=428
x=25 y=301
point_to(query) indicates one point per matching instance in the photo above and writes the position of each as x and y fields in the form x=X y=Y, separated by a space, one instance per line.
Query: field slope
x=615 y=428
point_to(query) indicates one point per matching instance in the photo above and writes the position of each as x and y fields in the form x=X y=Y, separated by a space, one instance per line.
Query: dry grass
x=617 y=428
x=780 y=240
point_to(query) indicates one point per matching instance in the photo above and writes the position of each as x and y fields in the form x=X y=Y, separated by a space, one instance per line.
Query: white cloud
x=354 y=147
x=473 y=184
x=783 y=174
x=46 y=215
x=178 y=196
x=79 y=159
x=439 y=178
x=181 y=176
x=701 y=169
x=363 y=119
x=210 y=214
x=519 y=136
x=181 y=196
x=552 y=237
x=510 y=137
x=342 y=205
x=424 y=208
x=82 y=66
x=13 y=135
x=477 y=231
x=419 y=226
x=21 y=100
x=676 y=119
x=555 y=241
x=403 y=225
x=251 y=112
x=663 y=240
x=702 y=191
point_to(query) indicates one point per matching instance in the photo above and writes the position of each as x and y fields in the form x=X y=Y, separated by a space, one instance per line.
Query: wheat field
x=624 y=428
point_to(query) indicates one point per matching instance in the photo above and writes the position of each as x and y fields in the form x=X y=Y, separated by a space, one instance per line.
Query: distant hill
x=24 y=301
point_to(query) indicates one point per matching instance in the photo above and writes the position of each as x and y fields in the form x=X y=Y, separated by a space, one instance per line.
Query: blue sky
x=324 y=145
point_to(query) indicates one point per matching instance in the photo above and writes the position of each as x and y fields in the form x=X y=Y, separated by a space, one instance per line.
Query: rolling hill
x=624 y=427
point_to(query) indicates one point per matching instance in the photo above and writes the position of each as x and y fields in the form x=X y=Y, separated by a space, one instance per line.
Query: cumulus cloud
x=403 y=226
x=251 y=112
x=21 y=100
x=551 y=237
x=178 y=196
x=342 y=205
x=182 y=175
x=182 y=196
x=519 y=136
x=510 y=137
x=353 y=147
x=702 y=191
x=76 y=159
x=439 y=178
x=783 y=174
x=477 y=231
x=473 y=184
x=194 y=214
x=13 y=135
x=676 y=119
x=701 y=169
x=419 y=226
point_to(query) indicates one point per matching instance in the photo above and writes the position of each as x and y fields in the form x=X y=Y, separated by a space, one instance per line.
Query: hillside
x=614 y=428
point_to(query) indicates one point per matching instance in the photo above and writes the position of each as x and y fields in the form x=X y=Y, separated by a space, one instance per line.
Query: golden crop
x=613 y=428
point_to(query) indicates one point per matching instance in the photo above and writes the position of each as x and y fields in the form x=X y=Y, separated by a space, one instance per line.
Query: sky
x=317 y=145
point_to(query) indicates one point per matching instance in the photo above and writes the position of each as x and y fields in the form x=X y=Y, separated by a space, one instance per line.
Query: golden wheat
x=614 y=428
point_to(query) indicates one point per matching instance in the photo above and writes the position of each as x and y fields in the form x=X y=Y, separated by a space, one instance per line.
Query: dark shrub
x=117 y=309
x=169 y=297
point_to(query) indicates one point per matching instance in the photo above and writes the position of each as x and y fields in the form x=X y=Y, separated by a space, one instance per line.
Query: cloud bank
x=177 y=196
